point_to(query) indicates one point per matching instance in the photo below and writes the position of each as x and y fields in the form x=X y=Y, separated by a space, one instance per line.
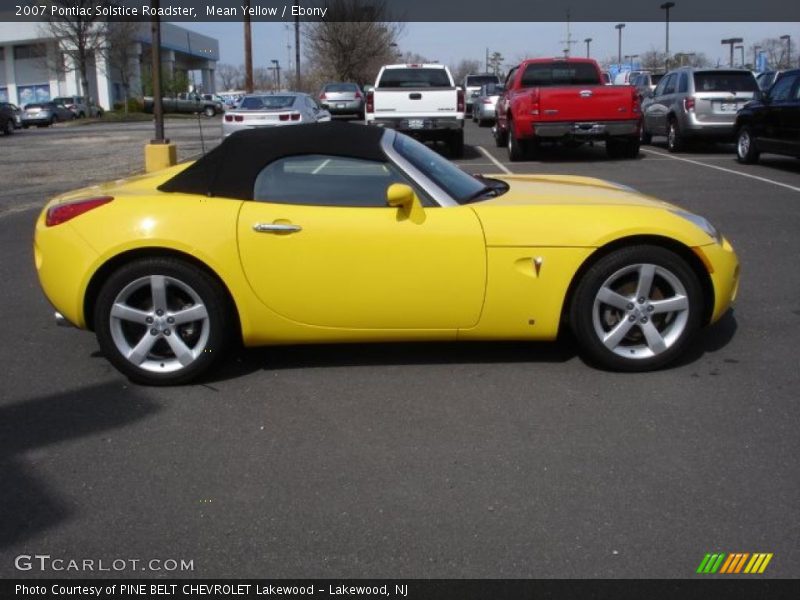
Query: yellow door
x=365 y=267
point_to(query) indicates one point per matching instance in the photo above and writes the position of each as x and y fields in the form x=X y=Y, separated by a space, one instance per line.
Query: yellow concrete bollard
x=159 y=156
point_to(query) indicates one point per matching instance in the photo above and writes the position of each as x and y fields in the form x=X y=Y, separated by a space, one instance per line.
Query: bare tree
x=653 y=60
x=496 y=63
x=230 y=77
x=79 y=37
x=775 y=49
x=464 y=68
x=353 y=41
x=120 y=52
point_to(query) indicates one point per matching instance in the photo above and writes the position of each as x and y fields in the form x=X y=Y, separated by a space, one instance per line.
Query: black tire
x=675 y=141
x=622 y=148
x=499 y=135
x=456 y=144
x=8 y=127
x=645 y=137
x=746 y=150
x=209 y=111
x=515 y=147
x=621 y=271
x=186 y=287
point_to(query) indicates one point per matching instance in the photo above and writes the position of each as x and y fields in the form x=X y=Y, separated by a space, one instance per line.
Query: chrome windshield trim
x=441 y=197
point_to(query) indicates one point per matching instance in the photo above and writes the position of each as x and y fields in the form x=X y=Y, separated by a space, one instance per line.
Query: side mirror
x=402 y=196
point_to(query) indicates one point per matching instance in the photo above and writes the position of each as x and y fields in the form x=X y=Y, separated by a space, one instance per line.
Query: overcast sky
x=450 y=42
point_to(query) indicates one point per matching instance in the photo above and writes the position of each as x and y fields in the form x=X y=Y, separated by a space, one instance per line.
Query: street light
x=277 y=68
x=588 y=41
x=619 y=27
x=788 y=39
x=731 y=42
x=666 y=6
x=741 y=49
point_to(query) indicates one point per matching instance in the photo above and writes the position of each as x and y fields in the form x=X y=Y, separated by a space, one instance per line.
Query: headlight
x=701 y=222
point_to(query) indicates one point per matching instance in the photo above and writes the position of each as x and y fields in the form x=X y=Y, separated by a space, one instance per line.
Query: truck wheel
x=457 y=144
x=499 y=135
x=209 y=111
x=516 y=148
x=746 y=151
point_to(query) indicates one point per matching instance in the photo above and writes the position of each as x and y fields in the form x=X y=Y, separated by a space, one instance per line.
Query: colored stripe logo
x=735 y=563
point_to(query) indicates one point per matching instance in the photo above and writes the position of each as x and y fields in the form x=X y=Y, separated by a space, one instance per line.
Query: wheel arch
x=685 y=252
x=124 y=258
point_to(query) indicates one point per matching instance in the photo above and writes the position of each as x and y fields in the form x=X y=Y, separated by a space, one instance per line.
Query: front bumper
x=724 y=267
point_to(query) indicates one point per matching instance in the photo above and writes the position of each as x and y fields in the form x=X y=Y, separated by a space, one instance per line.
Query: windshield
x=411 y=77
x=560 y=73
x=725 y=81
x=266 y=102
x=479 y=80
x=458 y=185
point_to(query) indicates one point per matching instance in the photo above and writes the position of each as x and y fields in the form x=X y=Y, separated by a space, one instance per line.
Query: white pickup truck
x=420 y=100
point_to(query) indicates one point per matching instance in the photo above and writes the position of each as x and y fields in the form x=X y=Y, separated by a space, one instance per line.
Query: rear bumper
x=582 y=129
x=352 y=107
x=719 y=129
x=423 y=127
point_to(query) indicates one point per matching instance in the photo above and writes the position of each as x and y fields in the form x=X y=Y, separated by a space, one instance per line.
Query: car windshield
x=725 y=81
x=479 y=80
x=560 y=73
x=411 y=77
x=341 y=87
x=266 y=102
x=36 y=106
x=460 y=186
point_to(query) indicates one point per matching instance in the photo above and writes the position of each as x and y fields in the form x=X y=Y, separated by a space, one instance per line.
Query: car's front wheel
x=675 y=141
x=746 y=151
x=636 y=308
x=162 y=321
x=209 y=111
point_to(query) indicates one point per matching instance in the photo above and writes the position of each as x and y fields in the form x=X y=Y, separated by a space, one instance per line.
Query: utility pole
x=619 y=27
x=569 y=41
x=666 y=6
x=732 y=42
x=155 y=52
x=248 y=50
x=297 y=49
x=588 y=41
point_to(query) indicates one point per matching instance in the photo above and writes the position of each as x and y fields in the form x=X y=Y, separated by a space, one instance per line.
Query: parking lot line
x=718 y=168
x=495 y=162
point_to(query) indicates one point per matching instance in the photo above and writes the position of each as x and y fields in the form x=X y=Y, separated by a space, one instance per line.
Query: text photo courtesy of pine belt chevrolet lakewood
x=339 y=232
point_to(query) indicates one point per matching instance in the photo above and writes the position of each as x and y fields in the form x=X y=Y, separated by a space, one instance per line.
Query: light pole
x=248 y=51
x=731 y=42
x=741 y=49
x=588 y=41
x=619 y=27
x=298 y=86
x=788 y=39
x=277 y=68
x=666 y=6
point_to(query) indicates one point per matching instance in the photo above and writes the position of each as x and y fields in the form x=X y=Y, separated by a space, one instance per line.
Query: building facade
x=31 y=69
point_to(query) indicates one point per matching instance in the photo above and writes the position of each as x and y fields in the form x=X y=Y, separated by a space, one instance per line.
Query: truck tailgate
x=591 y=103
x=415 y=102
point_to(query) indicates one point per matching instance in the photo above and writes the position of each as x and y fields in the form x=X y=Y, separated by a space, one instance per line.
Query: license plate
x=416 y=124
x=728 y=107
x=340 y=105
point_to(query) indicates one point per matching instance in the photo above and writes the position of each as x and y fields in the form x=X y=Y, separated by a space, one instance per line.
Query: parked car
x=7 y=120
x=80 y=106
x=691 y=103
x=187 y=102
x=421 y=100
x=472 y=84
x=767 y=79
x=336 y=232
x=565 y=100
x=273 y=110
x=15 y=112
x=772 y=122
x=645 y=82
x=44 y=114
x=342 y=99
x=485 y=104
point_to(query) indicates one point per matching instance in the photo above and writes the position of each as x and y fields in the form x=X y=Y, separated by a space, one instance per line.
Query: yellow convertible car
x=343 y=233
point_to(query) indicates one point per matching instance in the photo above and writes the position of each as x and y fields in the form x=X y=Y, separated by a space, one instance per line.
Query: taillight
x=534 y=98
x=238 y=118
x=358 y=95
x=637 y=101
x=284 y=117
x=61 y=213
x=460 y=101
x=322 y=96
x=688 y=103
x=229 y=118
x=370 y=102
x=295 y=116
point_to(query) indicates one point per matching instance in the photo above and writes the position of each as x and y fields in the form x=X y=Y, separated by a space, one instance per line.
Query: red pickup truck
x=552 y=99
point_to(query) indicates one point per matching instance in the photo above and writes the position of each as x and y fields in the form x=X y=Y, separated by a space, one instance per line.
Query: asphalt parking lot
x=411 y=460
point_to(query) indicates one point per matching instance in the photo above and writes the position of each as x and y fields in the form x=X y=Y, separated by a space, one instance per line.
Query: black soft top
x=230 y=169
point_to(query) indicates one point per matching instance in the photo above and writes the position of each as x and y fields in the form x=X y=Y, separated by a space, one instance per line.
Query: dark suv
x=771 y=123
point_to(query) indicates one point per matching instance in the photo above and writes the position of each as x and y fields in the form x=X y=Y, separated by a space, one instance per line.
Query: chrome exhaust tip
x=61 y=320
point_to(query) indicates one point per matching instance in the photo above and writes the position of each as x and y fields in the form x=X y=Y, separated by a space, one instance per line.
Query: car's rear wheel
x=499 y=135
x=162 y=321
x=636 y=309
x=8 y=128
x=675 y=141
x=516 y=147
x=209 y=111
x=746 y=151
x=645 y=137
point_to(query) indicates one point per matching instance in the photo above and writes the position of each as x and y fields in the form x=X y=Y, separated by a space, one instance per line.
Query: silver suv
x=696 y=103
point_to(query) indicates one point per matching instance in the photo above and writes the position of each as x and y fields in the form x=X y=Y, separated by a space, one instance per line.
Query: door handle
x=276 y=228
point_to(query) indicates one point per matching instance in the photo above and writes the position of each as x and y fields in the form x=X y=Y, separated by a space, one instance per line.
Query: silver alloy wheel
x=159 y=324
x=640 y=311
x=743 y=145
x=671 y=135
